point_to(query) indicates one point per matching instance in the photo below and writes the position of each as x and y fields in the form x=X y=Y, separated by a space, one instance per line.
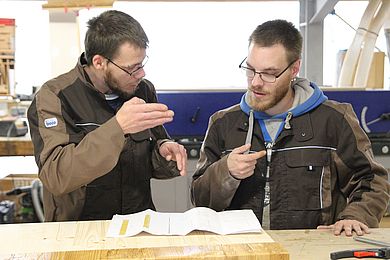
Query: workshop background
x=193 y=63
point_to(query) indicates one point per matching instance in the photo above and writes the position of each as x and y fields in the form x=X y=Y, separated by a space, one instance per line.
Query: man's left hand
x=176 y=152
x=348 y=226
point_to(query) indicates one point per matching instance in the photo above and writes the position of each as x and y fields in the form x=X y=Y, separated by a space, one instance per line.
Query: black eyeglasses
x=269 y=78
x=138 y=68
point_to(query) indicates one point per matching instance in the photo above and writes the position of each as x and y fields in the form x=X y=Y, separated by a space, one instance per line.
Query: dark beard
x=279 y=95
x=112 y=84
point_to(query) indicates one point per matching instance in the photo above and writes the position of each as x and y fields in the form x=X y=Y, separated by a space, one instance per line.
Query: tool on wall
x=194 y=117
x=365 y=124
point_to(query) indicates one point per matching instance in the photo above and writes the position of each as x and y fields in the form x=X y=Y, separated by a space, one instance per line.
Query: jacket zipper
x=287 y=124
x=268 y=146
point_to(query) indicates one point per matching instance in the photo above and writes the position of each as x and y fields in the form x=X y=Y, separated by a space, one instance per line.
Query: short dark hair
x=279 y=32
x=108 y=31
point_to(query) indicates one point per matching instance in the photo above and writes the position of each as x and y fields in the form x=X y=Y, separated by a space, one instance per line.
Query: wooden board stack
x=7 y=53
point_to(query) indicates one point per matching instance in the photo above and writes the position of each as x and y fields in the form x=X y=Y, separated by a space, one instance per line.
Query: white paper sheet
x=200 y=218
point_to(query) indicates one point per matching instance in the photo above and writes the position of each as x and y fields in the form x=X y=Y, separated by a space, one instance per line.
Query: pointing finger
x=241 y=149
x=256 y=155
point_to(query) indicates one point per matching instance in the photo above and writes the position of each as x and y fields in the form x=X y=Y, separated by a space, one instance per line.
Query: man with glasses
x=295 y=158
x=98 y=130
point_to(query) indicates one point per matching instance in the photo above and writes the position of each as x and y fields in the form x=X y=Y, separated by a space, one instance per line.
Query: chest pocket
x=308 y=179
x=140 y=147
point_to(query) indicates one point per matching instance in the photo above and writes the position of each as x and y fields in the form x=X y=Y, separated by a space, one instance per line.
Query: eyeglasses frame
x=123 y=69
x=260 y=73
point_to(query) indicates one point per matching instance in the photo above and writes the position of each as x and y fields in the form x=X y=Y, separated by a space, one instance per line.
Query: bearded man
x=295 y=158
x=98 y=130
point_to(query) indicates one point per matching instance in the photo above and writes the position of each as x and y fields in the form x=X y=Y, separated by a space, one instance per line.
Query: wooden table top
x=10 y=146
x=86 y=240
x=318 y=244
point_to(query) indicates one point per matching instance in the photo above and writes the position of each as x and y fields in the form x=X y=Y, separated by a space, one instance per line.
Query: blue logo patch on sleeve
x=51 y=122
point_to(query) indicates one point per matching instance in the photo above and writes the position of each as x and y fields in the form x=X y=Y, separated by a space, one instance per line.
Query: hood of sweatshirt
x=307 y=96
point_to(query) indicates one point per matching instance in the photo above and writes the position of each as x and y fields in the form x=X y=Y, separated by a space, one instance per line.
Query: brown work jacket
x=88 y=167
x=322 y=170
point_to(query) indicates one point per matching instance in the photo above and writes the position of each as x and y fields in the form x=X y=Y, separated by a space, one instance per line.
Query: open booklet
x=200 y=218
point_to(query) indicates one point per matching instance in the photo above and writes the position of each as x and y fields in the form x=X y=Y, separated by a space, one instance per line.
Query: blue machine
x=193 y=109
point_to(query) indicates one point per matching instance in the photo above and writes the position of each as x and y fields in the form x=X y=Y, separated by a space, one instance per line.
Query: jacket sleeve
x=163 y=169
x=59 y=160
x=362 y=180
x=213 y=186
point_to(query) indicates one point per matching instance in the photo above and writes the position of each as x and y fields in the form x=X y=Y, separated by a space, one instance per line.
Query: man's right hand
x=135 y=115
x=242 y=165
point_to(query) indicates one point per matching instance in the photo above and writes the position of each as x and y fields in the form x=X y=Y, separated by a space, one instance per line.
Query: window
x=198 y=45
x=193 y=45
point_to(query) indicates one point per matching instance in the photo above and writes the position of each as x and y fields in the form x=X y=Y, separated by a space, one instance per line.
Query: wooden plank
x=318 y=244
x=54 y=4
x=7 y=54
x=5 y=65
x=348 y=69
x=86 y=240
x=376 y=71
x=367 y=52
x=7 y=35
x=267 y=251
x=16 y=147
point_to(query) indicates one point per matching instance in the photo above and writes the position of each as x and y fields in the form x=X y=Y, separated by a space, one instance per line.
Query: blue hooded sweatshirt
x=307 y=97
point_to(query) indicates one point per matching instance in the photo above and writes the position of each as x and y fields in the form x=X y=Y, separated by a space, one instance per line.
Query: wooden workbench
x=86 y=240
x=11 y=146
x=318 y=244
